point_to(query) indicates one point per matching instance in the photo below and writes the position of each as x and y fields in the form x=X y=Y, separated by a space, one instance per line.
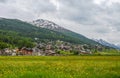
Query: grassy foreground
x=60 y=67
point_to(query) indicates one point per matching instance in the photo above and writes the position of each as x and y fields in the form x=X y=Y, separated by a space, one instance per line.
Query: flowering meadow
x=59 y=66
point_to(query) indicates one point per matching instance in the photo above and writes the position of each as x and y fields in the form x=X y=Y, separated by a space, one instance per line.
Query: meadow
x=59 y=66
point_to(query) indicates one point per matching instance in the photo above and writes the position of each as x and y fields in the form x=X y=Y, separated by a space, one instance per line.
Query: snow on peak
x=103 y=42
x=46 y=24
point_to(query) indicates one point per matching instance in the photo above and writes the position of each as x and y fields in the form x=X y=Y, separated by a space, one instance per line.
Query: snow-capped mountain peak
x=105 y=43
x=46 y=24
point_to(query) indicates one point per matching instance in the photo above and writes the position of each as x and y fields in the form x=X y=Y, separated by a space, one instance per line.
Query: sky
x=95 y=19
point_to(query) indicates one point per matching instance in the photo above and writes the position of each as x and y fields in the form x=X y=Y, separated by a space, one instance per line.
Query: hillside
x=52 y=26
x=11 y=39
x=27 y=30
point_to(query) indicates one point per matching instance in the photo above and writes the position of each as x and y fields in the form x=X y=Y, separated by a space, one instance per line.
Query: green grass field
x=60 y=67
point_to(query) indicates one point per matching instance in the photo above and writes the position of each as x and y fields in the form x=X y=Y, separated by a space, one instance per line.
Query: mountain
x=118 y=46
x=105 y=43
x=26 y=30
x=52 y=26
x=47 y=24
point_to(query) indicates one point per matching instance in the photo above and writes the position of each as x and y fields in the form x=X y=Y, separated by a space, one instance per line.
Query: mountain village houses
x=49 y=49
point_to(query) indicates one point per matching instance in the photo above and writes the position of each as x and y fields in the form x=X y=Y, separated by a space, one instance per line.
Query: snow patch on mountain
x=46 y=24
x=105 y=43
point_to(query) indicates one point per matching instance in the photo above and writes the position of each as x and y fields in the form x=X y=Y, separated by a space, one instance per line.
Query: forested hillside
x=16 y=32
x=55 y=27
x=13 y=39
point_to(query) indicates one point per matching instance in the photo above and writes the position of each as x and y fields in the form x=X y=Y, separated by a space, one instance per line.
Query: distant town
x=52 y=48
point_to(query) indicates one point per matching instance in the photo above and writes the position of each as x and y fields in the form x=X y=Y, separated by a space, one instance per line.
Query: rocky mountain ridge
x=105 y=43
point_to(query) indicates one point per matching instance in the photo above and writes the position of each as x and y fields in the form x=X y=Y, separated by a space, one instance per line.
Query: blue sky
x=99 y=19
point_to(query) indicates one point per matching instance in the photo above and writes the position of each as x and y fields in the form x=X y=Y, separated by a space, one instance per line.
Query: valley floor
x=59 y=66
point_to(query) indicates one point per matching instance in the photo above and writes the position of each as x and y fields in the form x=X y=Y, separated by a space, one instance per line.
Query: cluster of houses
x=42 y=49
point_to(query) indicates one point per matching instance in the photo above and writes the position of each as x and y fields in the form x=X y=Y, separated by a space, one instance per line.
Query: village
x=52 y=48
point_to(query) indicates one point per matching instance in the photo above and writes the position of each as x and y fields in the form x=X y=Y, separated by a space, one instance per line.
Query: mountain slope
x=105 y=43
x=52 y=26
x=27 y=30
x=12 y=39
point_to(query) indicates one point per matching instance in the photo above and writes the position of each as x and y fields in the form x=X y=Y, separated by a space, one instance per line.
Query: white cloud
x=106 y=2
x=56 y=3
x=98 y=1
